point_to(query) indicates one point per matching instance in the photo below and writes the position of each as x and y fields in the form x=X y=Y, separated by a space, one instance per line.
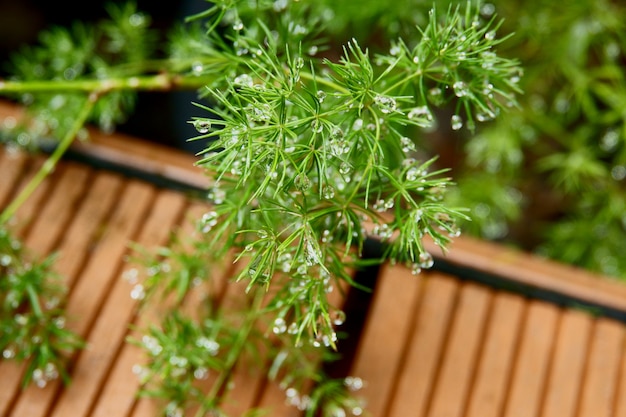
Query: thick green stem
x=160 y=82
x=52 y=160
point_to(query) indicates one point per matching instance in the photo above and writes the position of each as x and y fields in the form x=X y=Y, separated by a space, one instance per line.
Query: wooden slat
x=600 y=384
x=496 y=361
x=52 y=217
x=103 y=270
x=72 y=253
x=620 y=396
x=380 y=352
x=533 y=361
x=425 y=348
x=44 y=233
x=563 y=389
x=460 y=356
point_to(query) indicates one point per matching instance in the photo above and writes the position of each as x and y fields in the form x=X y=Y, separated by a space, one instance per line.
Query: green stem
x=160 y=82
x=51 y=162
x=34 y=301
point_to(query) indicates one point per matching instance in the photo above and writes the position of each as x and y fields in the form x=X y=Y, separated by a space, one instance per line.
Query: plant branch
x=160 y=82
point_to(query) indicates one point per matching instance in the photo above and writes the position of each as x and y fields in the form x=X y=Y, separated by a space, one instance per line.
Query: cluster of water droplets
x=41 y=376
x=386 y=104
x=421 y=116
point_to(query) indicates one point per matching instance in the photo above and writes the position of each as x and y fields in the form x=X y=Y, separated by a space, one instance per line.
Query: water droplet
x=312 y=254
x=299 y=63
x=412 y=174
x=312 y=51
x=138 y=292
x=415 y=269
x=202 y=125
x=137 y=19
x=238 y=25
x=491 y=35
x=201 y=373
x=280 y=326
x=328 y=191
x=259 y=112
x=384 y=231
x=244 y=80
x=618 y=172
x=353 y=383
x=279 y=5
x=209 y=345
x=321 y=96
x=609 y=141
x=456 y=122
x=487 y=9
x=358 y=124
x=197 y=68
x=302 y=182
x=426 y=260
x=338 y=317
x=8 y=353
x=407 y=144
x=395 y=50
x=386 y=104
x=460 y=89
x=317 y=126
x=345 y=168
x=421 y=115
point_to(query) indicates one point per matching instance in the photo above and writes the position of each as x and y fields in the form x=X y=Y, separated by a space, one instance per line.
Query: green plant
x=313 y=148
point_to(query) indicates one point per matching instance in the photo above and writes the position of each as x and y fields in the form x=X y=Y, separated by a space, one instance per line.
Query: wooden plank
x=600 y=385
x=118 y=393
x=44 y=233
x=89 y=293
x=496 y=361
x=34 y=401
x=379 y=355
x=85 y=231
x=566 y=375
x=534 y=271
x=464 y=342
x=58 y=210
x=533 y=361
x=425 y=348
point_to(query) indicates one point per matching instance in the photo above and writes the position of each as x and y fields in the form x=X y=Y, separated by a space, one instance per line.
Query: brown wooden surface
x=432 y=345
